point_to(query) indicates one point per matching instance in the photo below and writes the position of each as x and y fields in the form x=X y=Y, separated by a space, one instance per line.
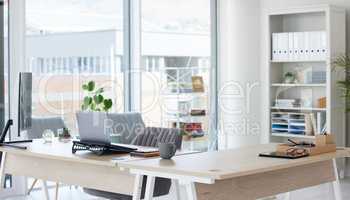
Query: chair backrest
x=153 y=135
x=126 y=125
x=40 y=124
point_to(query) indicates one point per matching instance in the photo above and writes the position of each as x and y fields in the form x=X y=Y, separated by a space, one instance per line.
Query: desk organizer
x=323 y=144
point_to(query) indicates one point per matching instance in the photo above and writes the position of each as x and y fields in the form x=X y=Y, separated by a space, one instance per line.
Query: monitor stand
x=9 y=123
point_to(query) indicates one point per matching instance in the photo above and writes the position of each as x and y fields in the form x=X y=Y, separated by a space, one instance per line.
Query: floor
x=322 y=192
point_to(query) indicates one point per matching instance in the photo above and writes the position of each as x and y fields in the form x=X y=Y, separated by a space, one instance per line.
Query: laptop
x=94 y=130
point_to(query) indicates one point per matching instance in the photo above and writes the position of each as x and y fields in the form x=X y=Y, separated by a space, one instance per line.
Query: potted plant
x=343 y=62
x=95 y=100
x=64 y=135
x=289 y=77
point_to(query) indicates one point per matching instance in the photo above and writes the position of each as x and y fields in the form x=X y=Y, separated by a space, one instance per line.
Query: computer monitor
x=24 y=102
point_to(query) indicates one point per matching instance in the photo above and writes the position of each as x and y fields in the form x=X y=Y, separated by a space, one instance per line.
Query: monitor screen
x=25 y=101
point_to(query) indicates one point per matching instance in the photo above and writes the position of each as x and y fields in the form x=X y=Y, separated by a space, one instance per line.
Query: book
x=145 y=154
x=308 y=125
x=313 y=121
x=198 y=112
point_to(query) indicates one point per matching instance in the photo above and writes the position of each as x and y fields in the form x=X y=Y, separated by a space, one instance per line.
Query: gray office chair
x=126 y=125
x=145 y=136
x=39 y=124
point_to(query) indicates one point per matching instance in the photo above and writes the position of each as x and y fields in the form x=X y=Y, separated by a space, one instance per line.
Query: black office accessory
x=99 y=148
x=282 y=155
x=8 y=125
x=24 y=102
x=301 y=144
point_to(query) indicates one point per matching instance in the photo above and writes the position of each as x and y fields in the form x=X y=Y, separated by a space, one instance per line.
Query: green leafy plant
x=289 y=77
x=343 y=62
x=94 y=99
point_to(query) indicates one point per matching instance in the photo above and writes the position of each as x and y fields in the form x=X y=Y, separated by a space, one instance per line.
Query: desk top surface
x=227 y=163
x=63 y=151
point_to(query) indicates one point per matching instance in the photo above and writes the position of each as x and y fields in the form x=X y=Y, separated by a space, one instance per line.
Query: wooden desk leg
x=149 y=188
x=176 y=187
x=2 y=171
x=45 y=190
x=137 y=187
x=191 y=191
x=336 y=183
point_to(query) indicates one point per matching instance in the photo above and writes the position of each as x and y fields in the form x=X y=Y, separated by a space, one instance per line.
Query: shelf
x=299 y=85
x=299 y=108
x=296 y=61
x=290 y=135
x=184 y=94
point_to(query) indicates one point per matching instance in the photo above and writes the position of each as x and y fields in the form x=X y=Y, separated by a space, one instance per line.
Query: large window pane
x=176 y=52
x=70 y=42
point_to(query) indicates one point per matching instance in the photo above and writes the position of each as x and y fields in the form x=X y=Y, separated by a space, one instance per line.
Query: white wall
x=239 y=73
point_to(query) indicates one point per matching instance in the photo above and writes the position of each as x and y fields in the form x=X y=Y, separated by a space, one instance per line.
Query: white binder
x=275 y=55
x=300 y=45
x=291 y=46
x=324 y=45
x=296 y=47
x=283 y=42
x=307 y=45
x=315 y=44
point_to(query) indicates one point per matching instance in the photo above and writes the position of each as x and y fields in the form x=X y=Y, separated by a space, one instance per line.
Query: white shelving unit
x=181 y=91
x=326 y=19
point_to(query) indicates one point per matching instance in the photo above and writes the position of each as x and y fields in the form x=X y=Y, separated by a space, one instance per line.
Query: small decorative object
x=167 y=150
x=197 y=84
x=300 y=75
x=64 y=134
x=184 y=108
x=307 y=103
x=289 y=78
x=48 y=136
x=322 y=102
x=94 y=100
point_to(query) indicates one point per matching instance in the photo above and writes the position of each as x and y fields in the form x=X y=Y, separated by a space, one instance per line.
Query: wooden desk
x=55 y=162
x=238 y=173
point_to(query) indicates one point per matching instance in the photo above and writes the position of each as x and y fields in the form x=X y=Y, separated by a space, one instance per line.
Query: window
x=71 y=42
x=176 y=48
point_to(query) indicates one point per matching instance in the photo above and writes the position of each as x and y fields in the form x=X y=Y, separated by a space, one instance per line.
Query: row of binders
x=299 y=46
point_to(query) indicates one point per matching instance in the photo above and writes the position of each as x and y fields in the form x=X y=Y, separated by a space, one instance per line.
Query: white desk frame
x=190 y=181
